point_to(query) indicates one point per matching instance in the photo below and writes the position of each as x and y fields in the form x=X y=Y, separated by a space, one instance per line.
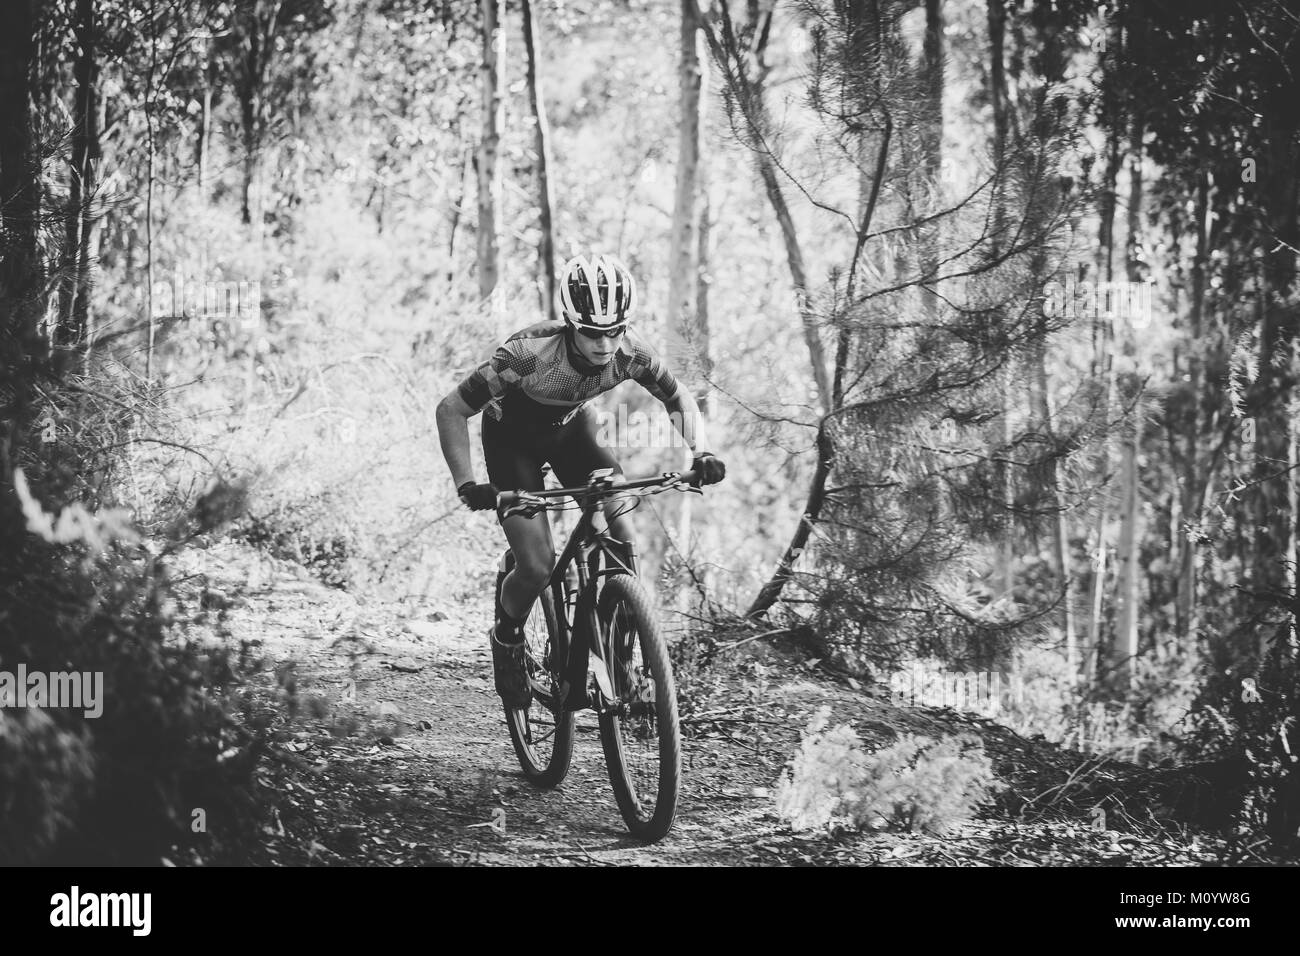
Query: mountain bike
x=592 y=642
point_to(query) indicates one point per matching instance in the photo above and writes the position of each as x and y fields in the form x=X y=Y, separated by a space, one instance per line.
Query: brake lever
x=680 y=483
x=525 y=504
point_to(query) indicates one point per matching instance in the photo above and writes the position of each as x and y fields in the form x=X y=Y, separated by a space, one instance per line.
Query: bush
x=914 y=784
x=81 y=590
x=45 y=776
x=1253 y=723
x=120 y=788
x=1138 y=726
x=285 y=535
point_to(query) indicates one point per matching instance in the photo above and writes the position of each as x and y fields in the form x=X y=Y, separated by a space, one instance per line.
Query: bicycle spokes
x=542 y=734
x=635 y=708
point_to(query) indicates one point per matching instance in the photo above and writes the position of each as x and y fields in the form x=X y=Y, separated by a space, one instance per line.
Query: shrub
x=83 y=591
x=913 y=784
x=45 y=776
x=1253 y=723
x=1134 y=726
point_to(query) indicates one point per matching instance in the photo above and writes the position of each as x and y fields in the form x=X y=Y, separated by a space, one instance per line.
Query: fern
x=914 y=784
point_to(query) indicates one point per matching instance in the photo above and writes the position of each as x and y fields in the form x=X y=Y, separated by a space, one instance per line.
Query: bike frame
x=595 y=553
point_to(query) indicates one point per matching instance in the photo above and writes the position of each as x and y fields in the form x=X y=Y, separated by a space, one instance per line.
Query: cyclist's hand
x=478 y=497
x=710 y=468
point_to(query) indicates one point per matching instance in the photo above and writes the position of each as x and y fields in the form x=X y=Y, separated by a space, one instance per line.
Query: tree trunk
x=1104 y=371
x=546 y=246
x=20 y=280
x=1191 y=480
x=492 y=79
x=702 y=293
x=1276 y=521
x=771 y=591
x=997 y=23
x=799 y=278
x=1126 y=559
x=932 y=142
x=685 y=350
x=257 y=25
x=81 y=184
x=203 y=146
x=997 y=19
x=249 y=109
x=149 y=188
x=702 y=322
x=1124 y=651
x=682 y=342
x=457 y=207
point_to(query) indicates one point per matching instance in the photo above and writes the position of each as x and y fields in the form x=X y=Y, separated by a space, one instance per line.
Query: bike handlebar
x=599 y=488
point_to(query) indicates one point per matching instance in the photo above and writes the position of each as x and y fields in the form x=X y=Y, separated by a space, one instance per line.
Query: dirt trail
x=388 y=747
x=401 y=753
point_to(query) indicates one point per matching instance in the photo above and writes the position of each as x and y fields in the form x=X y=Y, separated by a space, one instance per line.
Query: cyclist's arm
x=686 y=418
x=453 y=417
x=487 y=382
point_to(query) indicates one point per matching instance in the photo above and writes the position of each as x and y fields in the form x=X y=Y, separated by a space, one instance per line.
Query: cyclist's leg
x=577 y=452
x=514 y=465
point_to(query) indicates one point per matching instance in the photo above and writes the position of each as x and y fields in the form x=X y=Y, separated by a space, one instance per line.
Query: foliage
x=1255 y=721
x=913 y=784
x=1139 y=726
x=325 y=155
x=46 y=773
x=84 y=592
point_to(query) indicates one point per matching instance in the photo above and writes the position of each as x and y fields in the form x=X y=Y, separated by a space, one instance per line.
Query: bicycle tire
x=653 y=725
x=542 y=736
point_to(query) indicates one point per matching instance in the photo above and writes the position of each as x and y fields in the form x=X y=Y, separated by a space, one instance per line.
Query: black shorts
x=515 y=455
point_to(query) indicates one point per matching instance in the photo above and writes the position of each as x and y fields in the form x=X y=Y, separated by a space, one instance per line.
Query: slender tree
x=542 y=145
x=20 y=197
x=685 y=337
x=492 y=84
x=75 y=298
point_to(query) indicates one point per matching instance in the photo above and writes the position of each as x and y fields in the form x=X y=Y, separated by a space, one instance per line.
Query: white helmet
x=597 y=293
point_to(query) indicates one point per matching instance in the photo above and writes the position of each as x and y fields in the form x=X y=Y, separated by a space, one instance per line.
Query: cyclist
x=535 y=389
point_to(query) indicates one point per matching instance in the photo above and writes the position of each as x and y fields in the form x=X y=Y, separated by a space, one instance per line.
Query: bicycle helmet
x=597 y=293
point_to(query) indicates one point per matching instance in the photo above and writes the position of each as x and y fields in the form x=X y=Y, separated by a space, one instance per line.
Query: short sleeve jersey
x=533 y=379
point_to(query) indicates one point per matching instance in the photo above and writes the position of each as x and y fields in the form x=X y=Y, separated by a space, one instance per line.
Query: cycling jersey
x=537 y=378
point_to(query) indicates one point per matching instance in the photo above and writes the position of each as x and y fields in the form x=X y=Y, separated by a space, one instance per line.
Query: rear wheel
x=543 y=733
x=641 y=739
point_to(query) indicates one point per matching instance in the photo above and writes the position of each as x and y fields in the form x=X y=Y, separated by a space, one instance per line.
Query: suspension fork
x=594 y=552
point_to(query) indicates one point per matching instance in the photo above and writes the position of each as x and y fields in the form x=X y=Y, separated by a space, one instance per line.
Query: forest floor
x=387 y=746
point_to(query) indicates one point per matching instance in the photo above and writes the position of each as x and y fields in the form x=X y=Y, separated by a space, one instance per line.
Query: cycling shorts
x=515 y=455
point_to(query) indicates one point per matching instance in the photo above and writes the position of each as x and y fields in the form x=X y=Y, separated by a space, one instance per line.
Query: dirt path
x=395 y=750
x=387 y=746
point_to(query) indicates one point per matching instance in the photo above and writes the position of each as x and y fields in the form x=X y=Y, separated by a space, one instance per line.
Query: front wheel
x=641 y=738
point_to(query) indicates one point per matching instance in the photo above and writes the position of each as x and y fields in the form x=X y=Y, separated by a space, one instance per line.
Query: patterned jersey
x=534 y=379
